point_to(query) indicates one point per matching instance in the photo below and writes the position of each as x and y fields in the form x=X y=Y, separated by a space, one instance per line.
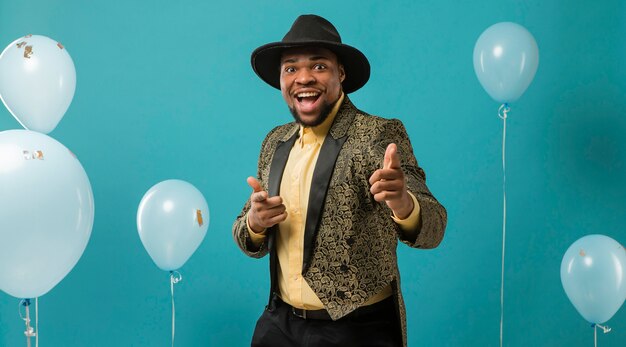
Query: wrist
x=406 y=207
x=252 y=226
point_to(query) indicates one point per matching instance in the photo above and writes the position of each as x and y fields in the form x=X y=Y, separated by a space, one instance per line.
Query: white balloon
x=506 y=58
x=46 y=212
x=172 y=220
x=37 y=81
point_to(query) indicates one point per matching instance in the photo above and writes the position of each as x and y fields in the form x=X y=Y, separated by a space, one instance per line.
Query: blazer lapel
x=281 y=154
x=322 y=175
x=279 y=161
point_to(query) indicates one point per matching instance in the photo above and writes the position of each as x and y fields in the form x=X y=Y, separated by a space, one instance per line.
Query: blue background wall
x=165 y=90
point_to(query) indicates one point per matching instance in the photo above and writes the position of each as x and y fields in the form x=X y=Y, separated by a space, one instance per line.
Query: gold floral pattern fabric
x=354 y=245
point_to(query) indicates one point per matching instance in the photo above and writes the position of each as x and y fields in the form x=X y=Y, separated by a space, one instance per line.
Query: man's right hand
x=265 y=211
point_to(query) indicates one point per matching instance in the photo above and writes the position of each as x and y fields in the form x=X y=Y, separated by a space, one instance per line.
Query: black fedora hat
x=311 y=30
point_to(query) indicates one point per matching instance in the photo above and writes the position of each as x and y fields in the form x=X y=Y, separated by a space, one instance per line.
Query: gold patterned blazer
x=350 y=239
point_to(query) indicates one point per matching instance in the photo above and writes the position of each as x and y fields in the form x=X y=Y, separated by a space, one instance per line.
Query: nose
x=305 y=77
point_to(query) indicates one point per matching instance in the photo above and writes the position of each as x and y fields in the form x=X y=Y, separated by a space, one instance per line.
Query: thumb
x=392 y=159
x=254 y=184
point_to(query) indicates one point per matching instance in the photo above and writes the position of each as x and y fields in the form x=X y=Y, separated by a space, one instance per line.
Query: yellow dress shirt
x=294 y=189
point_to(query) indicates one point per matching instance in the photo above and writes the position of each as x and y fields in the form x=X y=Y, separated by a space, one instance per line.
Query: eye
x=319 y=67
x=290 y=69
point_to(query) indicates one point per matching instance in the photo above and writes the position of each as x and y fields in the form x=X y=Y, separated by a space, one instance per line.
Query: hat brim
x=266 y=62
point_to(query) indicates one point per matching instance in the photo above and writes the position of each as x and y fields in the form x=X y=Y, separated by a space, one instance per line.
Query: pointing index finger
x=392 y=158
x=254 y=184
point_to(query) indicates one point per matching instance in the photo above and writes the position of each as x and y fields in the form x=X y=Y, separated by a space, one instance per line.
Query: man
x=335 y=191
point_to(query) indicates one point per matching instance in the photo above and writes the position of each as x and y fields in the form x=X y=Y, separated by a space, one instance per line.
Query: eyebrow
x=313 y=58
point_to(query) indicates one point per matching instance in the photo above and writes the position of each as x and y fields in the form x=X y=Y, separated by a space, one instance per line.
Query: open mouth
x=307 y=98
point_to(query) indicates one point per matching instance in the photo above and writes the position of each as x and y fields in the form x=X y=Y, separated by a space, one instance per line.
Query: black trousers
x=278 y=326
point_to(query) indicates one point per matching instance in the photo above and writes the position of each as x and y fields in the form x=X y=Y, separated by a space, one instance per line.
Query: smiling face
x=310 y=81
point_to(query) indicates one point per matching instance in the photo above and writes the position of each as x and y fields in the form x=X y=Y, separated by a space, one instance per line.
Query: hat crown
x=313 y=28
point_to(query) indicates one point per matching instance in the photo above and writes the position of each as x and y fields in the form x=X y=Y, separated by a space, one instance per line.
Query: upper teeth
x=307 y=94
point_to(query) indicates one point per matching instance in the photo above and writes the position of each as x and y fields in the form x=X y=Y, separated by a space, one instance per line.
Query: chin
x=311 y=121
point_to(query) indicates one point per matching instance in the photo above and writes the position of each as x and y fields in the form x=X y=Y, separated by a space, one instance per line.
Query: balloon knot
x=175 y=277
x=604 y=328
x=504 y=110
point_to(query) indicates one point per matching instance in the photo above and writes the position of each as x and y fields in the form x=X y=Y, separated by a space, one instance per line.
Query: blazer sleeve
x=433 y=216
x=240 y=229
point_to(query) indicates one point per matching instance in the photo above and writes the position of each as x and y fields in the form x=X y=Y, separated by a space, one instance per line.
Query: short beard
x=324 y=112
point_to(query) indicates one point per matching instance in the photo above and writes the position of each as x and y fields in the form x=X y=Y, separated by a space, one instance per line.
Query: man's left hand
x=388 y=184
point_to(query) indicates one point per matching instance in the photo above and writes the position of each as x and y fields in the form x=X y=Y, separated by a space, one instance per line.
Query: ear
x=342 y=73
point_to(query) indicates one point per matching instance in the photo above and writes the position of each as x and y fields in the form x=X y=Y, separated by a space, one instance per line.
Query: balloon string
x=595 y=327
x=175 y=277
x=30 y=332
x=28 y=327
x=503 y=113
x=37 y=321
